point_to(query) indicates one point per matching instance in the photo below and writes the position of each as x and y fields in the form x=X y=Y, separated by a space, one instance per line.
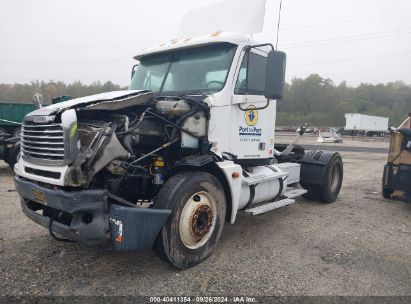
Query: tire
x=13 y=156
x=334 y=172
x=333 y=177
x=198 y=205
x=387 y=192
x=16 y=132
x=312 y=193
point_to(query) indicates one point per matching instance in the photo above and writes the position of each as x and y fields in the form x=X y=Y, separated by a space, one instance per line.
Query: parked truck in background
x=360 y=124
x=166 y=163
x=9 y=149
x=11 y=116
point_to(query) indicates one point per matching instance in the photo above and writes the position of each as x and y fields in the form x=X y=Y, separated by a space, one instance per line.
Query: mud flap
x=134 y=229
x=312 y=173
x=314 y=167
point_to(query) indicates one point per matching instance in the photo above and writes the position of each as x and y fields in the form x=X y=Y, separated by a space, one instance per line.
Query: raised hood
x=116 y=100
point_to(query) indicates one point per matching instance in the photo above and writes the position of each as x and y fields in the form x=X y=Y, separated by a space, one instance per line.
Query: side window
x=256 y=75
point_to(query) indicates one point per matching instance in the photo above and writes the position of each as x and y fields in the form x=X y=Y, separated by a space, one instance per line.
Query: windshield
x=201 y=70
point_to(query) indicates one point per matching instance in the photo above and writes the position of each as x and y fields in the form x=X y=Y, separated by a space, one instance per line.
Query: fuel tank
x=262 y=184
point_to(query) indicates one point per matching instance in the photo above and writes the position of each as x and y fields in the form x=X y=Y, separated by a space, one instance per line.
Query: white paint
x=292 y=170
x=108 y=97
x=204 y=39
x=241 y=16
x=267 y=185
x=228 y=168
x=355 y=121
x=19 y=169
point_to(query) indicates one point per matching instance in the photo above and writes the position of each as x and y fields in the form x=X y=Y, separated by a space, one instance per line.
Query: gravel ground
x=360 y=245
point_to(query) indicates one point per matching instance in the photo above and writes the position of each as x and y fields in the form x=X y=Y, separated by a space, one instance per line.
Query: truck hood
x=116 y=100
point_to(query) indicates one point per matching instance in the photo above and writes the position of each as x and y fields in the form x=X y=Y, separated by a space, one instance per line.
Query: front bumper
x=87 y=217
x=54 y=175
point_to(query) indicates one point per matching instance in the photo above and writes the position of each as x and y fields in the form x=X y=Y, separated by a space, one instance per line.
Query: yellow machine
x=396 y=181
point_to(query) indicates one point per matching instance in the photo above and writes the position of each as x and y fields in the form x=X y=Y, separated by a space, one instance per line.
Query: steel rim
x=197 y=220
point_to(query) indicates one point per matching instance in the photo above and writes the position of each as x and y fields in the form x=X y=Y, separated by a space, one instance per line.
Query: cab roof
x=216 y=37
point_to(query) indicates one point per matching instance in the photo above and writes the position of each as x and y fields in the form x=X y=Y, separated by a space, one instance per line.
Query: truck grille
x=43 y=141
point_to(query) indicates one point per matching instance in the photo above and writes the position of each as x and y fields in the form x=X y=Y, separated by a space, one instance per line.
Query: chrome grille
x=42 y=141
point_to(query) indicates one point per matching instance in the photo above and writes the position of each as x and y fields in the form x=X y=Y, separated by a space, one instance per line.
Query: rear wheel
x=198 y=207
x=333 y=176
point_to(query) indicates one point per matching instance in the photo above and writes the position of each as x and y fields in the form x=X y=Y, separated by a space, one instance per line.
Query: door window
x=256 y=75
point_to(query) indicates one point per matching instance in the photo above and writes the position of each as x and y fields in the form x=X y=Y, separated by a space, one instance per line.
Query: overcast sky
x=89 y=40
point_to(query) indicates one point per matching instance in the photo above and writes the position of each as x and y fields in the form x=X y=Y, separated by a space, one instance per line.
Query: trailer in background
x=11 y=116
x=360 y=124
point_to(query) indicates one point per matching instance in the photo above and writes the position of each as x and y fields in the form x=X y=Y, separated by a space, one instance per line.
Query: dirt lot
x=360 y=245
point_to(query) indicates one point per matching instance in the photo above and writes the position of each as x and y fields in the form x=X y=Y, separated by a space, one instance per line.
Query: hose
x=131 y=129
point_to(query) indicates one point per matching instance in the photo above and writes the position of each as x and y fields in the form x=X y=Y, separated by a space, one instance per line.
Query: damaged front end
x=62 y=143
x=91 y=167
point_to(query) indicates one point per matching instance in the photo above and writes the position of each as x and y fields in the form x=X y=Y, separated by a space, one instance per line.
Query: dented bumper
x=88 y=218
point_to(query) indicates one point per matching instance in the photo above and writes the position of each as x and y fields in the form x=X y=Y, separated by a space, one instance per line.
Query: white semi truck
x=167 y=163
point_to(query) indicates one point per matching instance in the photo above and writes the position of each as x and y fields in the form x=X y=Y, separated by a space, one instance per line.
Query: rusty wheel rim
x=197 y=220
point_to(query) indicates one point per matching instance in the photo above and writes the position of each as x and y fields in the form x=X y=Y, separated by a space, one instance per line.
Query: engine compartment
x=131 y=151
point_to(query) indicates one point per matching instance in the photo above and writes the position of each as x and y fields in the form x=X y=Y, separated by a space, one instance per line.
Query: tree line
x=320 y=102
x=314 y=100
x=23 y=93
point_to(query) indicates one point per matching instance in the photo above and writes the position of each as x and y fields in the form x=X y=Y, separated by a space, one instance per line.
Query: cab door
x=252 y=116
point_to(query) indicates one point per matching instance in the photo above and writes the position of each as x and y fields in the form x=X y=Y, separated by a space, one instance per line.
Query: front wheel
x=198 y=205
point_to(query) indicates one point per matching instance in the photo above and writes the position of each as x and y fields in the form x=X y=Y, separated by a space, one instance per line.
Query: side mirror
x=275 y=75
x=133 y=70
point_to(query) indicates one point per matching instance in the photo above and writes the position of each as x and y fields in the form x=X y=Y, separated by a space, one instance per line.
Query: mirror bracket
x=258 y=108
x=133 y=70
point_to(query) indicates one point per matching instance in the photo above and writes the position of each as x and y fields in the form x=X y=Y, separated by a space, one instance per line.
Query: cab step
x=293 y=193
x=269 y=206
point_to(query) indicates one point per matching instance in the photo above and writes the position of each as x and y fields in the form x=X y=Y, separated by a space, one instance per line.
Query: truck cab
x=216 y=67
x=166 y=163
